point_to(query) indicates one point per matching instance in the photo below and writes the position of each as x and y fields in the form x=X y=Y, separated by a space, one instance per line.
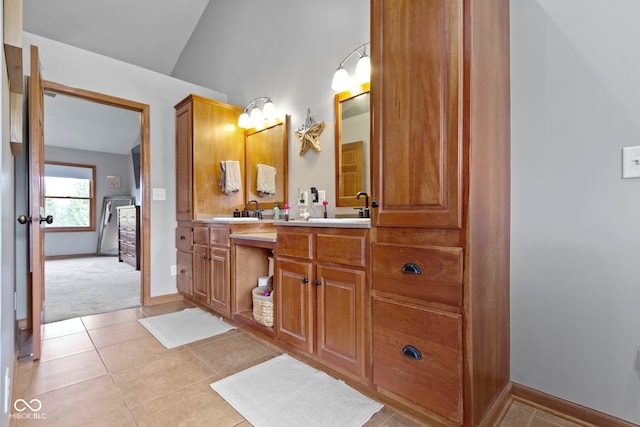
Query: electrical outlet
x=174 y=270
x=304 y=199
x=322 y=196
x=159 y=194
x=631 y=162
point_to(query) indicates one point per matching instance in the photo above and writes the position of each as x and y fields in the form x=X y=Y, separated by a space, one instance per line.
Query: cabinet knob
x=183 y=271
x=317 y=282
x=374 y=204
x=411 y=268
x=411 y=352
x=305 y=280
x=183 y=238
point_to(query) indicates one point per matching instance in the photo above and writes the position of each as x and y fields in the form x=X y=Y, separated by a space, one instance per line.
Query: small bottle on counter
x=286 y=212
x=276 y=211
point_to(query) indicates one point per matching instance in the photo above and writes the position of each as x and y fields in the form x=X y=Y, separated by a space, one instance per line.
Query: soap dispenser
x=276 y=211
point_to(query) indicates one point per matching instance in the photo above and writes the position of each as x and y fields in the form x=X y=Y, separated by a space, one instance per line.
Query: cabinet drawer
x=431 y=273
x=349 y=250
x=433 y=381
x=201 y=235
x=184 y=239
x=295 y=244
x=220 y=236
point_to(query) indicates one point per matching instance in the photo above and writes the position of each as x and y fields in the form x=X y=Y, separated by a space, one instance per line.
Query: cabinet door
x=415 y=104
x=201 y=266
x=220 y=279
x=295 y=295
x=341 y=318
x=184 y=267
x=184 y=162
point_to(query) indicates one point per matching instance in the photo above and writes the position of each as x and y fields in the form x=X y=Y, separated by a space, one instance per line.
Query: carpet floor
x=79 y=287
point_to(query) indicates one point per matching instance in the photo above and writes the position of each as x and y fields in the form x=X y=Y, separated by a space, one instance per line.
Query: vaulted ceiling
x=147 y=33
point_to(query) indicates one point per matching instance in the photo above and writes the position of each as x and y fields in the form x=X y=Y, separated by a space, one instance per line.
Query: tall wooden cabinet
x=440 y=182
x=206 y=134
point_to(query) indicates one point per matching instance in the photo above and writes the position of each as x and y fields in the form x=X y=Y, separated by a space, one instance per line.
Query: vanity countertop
x=260 y=237
x=219 y=219
x=328 y=222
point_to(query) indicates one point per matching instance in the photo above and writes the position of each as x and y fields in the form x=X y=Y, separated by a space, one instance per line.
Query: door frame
x=145 y=166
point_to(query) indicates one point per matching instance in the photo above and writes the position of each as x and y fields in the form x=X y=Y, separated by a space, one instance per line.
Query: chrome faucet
x=364 y=213
x=256 y=212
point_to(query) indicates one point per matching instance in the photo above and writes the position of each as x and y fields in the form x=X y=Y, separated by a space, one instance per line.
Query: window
x=69 y=193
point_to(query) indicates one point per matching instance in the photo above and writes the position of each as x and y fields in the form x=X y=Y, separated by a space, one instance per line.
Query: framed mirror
x=353 y=132
x=266 y=160
x=108 y=227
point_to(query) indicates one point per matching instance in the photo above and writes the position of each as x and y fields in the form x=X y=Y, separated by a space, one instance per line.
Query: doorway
x=132 y=181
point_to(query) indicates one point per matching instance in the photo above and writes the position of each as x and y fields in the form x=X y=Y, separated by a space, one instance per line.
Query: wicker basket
x=262 y=306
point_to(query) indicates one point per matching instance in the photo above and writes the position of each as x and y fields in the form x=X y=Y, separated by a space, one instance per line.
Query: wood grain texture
x=184 y=270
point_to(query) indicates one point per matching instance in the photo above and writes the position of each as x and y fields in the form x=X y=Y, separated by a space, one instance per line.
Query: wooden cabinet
x=184 y=260
x=211 y=277
x=440 y=180
x=321 y=295
x=129 y=235
x=206 y=134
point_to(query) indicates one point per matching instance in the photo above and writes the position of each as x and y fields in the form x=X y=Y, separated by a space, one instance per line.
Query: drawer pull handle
x=411 y=268
x=411 y=352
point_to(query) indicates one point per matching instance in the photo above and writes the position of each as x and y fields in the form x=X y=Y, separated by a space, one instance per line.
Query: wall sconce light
x=341 y=79
x=255 y=117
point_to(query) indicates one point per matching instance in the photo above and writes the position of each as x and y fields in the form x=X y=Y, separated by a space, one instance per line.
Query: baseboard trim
x=566 y=409
x=55 y=257
x=499 y=408
x=162 y=299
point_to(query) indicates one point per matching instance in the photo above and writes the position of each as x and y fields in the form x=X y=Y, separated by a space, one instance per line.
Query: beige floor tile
x=40 y=377
x=93 y=402
x=111 y=335
x=159 y=377
x=379 y=418
x=97 y=321
x=541 y=417
x=170 y=307
x=516 y=417
x=132 y=353
x=63 y=327
x=194 y=406
x=233 y=353
x=66 y=345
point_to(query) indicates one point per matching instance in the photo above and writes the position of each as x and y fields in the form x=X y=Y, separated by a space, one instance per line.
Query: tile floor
x=107 y=370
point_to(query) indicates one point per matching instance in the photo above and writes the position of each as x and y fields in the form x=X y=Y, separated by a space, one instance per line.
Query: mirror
x=108 y=237
x=352 y=145
x=266 y=164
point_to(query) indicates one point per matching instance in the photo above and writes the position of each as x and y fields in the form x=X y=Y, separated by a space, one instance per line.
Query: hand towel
x=230 y=176
x=266 y=180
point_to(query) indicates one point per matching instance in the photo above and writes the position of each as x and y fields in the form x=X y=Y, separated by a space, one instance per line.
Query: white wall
x=287 y=50
x=575 y=223
x=85 y=70
x=7 y=249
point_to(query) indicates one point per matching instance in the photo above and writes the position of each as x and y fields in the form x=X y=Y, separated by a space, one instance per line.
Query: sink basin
x=342 y=220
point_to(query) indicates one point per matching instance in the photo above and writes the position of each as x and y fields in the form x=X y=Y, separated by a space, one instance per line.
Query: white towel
x=266 y=180
x=230 y=176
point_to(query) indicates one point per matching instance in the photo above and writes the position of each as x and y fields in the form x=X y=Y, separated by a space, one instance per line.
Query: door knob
x=23 y=219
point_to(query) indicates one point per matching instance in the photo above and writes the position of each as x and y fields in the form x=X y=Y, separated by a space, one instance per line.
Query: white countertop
x=262 y=237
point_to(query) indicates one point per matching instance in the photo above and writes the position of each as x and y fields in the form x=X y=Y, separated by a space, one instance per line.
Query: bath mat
x=184 y=327
x=285 y=392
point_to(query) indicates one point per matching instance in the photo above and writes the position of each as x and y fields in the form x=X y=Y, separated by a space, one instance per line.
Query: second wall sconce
x=341 y=79
x=255 y=117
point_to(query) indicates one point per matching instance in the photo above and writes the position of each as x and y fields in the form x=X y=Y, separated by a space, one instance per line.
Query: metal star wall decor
x=309 y=134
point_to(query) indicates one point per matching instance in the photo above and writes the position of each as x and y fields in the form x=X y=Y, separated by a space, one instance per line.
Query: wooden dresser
x=129 y=235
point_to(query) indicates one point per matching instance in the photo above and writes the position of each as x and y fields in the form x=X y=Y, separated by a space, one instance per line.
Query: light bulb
x=341 y=80
x=244 y=121
x=363 y=69
x=269 y=111
x=256 y=117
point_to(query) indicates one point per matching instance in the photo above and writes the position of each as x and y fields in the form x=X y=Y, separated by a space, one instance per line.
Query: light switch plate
x=159 y=194
x=631 y=162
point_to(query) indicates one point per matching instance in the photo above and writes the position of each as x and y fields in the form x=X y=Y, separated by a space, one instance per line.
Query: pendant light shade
x=255 y=117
